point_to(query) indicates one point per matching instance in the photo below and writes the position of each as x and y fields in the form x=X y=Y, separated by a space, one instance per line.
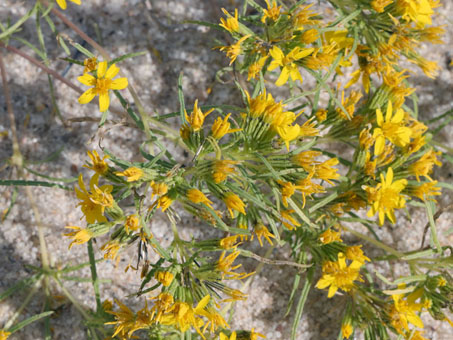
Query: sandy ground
x=171 y=47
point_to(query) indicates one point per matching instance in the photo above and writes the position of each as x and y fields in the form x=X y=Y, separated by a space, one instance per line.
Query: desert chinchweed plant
x=270 y=171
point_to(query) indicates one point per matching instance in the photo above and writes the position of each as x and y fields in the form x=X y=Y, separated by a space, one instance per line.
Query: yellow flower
x=79 y=236
x=379 y=5
x=132 y=223
x=286 y=215
x=184 y=316
x=287 y=190
x=225 y=337
x=307 y=187
x=196 y=196
x=133 y=174
x=424 y=165
x=225 y=265
x=229 y=242
x=102 y=83
x=349 y=104
x=308 y=129
x=262 y=231
x=62 y=3
x=126 y=321
x=386 y=197
x=366 y=140
x=306 y=159
x=233 y=201
x=418 y=11
x=321 y=115
x=99 y=165
x=330 y=236
x=256 y=67
x=94 y=203
x=425 y=191
x=403 y=311
x=159 y=188
x=355 y=253
x=254 y=335
x=391 y=129
x=221 y=170
x=196 y=118
x=326 y=172
x=272 y=12
x=221 y=127
x=233 y=51
x=166 y=278
x=429 y=68
x=91 y=64
x=303 y=17
x=289 y=68
x=231 y=24
x=441 y=282
x=162 y=303
x=288 y=133
x=338 y=275
x=164 y=202
x=111 y=249
x=346 y=330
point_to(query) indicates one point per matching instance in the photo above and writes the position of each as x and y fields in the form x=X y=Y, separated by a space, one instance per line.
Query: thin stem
x=42 y=66
x=374 y=242
x=17 y=160
x=73 y=300
x=94 y=276
x=24 y=304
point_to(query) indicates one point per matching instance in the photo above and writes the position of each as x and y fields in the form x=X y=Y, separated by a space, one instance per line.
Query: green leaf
x=13 y=182
x=301 y=303
x=434 y=239
x=11 y=29
x=182 y=106
x=56 y=179
x=126 y=56
x=20 y=285
x=28 y=321
x=73 y=61
x=205 y=23
x=129 y=110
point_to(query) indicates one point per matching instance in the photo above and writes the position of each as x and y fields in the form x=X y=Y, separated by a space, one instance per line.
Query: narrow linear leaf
x=28 y=321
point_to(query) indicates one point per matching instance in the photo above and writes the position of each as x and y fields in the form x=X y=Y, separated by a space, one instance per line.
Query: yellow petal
x=102 y=68
x=277 y=54
x=304 y=53
x=388 y=115
x=87 y=79
x=112 y=72
x=389 y=178
x=379 y=117
x=398 y=117
x=62 y=3
x=379 y=145
x=332 y=290
x=104 y=102
x=295 y=74
x=119 y=84
x=76 y=2
x=87 y=96
x=283 y=78
x=415 y=320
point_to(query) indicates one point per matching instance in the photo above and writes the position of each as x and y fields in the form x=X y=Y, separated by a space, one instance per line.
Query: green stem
x=374 y=242
x=94 y=276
